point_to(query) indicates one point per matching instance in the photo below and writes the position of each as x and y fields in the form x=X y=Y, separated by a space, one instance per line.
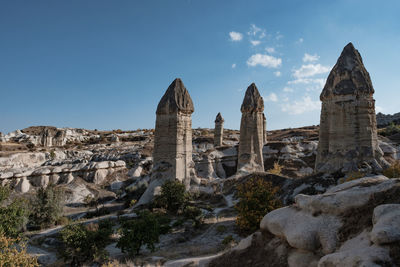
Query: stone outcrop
x=351 y=224
x=348 y=132
x=218 y=130
x=172 y=140
x=251 y=131
x=383 y=120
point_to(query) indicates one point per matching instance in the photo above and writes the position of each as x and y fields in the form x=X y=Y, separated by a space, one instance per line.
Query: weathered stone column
x=172 y=156
x=173 y=132
x=218 y=130
x=264 y=129
x=250 y=157
x=348 y=133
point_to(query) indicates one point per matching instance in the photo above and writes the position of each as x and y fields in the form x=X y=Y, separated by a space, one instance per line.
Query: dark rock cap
x=348 y=76
x=176 y=99
x=252 y=102
x=219 y=118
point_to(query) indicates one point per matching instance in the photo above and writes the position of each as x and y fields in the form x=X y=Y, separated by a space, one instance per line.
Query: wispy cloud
x=235 y=36
x=233 y=65
x=306 y=104
x=254 y=30
x=270 y=50
x=287 y=89
x=264 y=60
x=255 y=42
x=277 y=73
x=310 y=58
x=310 y=70
x=278 y=36
x=300 y=41
x=272 y=97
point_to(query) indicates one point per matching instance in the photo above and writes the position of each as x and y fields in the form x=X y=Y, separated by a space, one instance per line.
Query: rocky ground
x=113 y=165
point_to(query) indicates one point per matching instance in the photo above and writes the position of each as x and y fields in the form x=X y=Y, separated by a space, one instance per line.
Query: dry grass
x=393 y=171
x=277 y=169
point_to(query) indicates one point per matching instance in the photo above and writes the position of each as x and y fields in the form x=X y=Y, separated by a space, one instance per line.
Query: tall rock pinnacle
x=348 y=134
x=251 y=131
x=218 y=130
x=175 y=99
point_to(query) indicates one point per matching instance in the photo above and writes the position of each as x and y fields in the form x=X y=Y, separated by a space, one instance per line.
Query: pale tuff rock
x=219 y=130
x=172 y=140
x=348 y=133
x=251 y=131
x=264 y=129
x=386 y=222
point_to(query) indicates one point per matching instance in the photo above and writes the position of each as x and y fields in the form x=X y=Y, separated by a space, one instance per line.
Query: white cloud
x=270 y=50
x=278 y=36
x=233 y=65
x=235 y=36
x=378 y=109
x=277 y=73
x=301 y=40
x=255 y=42
x=285 y=99
x=253 y=30
x=287 y=89
x=310 y=58
x=310 y=70
x=264 y=60
x=272 y=97
x=306 y=104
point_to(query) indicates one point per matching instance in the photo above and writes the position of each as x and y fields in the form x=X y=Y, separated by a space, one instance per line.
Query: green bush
x=47 y=207
x=13 y=253
x=390 y=130
x=256 y=198
x=144 y=230
x=193 y=213
x=393 y=171
x=228 y=240
x=14 y=216
x=173 y=196
x=85 y=243
x=221 y=228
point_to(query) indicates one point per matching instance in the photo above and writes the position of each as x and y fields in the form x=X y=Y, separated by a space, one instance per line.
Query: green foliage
x=193 y=213
x=145 y=230
x=13 y=253
x=47 y=207
x=221 y=228
x=393 y=171
x=52 y=154
x=13 y=217
x=256 y=198
x=173 y=196
x=390 y=130
x=228 y=240
x=85 y=243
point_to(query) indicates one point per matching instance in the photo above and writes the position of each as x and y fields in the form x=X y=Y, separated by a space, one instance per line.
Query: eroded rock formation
x=218 y=130
x=172 y=140
x=348 y=133
x=264 y=129
x=251 y=131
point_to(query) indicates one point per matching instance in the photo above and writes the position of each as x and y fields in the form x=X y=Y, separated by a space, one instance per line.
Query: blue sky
x=106 y=64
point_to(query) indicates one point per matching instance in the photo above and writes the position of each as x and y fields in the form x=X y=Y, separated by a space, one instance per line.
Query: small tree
x=173 y=196
x=47 y=206
x=13 y=217
x=13 y=253
x=85 y=243
x=256 y=198
x=145 y=230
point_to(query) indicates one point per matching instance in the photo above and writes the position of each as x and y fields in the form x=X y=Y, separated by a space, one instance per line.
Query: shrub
x=52 y=154
x=13 y=253
x=145 y=230
x=173 y=196
x=277 y=169
x=193 y=213
x=221 y=228
x=85 y=243
x=13 y=217
x=256 y=198
x=228 y=240
x=393 y=171
x=47 y=206
x=352 y=176
x=390 y=130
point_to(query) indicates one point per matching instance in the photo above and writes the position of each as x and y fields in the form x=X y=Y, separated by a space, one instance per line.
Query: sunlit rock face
x=173 y=132
x=348 y=133
x=251 y=131
x=218 y=130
